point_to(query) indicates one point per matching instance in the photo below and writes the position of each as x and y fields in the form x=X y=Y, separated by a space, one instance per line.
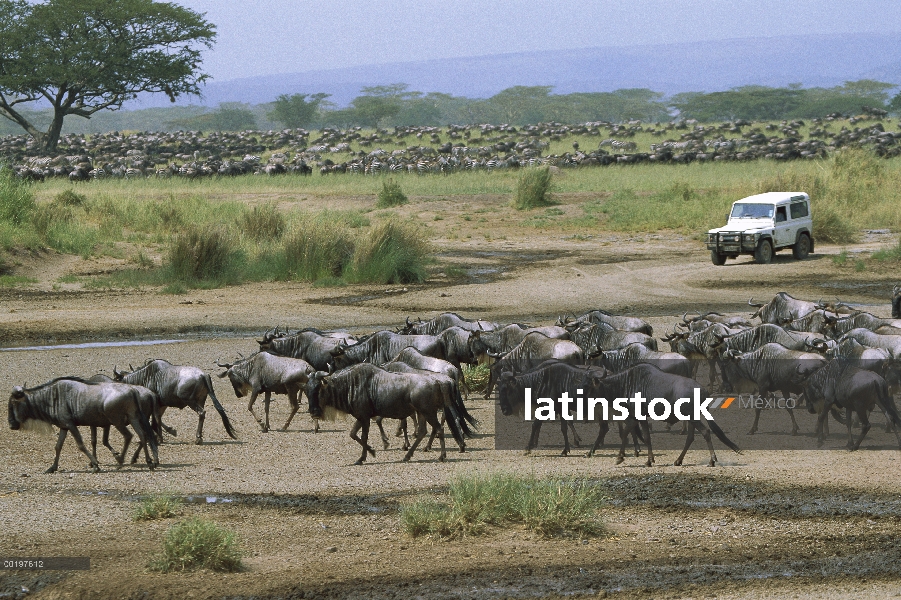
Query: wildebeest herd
x=833 y=359
x=440 y=150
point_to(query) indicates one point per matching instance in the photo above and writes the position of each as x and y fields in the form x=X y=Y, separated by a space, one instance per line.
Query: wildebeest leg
x=428 y=447
x=59 y=447
x=821 y=422
x=125 y=434
x=646 y=429
x=378 y=422
x=201 y=415
x=95 y=466
x=577 y=441
x=624 y=430
x=144 y=443
x=250 y=403
x=533 y=438
x=266 y=400
x=795 y=428
x=363 y=441
x=635 y=443
x=295 y=404
x=689 y=439
x=439 y=427
x=864 y=427
x=170 y=430
x=757 y=412
x=564 y=426
x=420 y=434
x=603 y=428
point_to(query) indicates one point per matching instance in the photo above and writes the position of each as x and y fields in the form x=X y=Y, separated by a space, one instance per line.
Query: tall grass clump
x=548 y=507
x=533 y=189
x=476 y=376
x=158 y=506
x=16 y=198
x=203 y=253
x=391 y=253
x=390 y=195
x=317 y=249
x=263 y=222
x=70 y=198
x=891 y=253
x=198 y=544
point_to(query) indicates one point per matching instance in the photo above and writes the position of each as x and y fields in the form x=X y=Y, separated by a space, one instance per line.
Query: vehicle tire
x=801 y=249
x=717 y=258
x=764 y=253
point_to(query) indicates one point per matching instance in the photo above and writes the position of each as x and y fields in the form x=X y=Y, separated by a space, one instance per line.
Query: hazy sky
x=281 y=36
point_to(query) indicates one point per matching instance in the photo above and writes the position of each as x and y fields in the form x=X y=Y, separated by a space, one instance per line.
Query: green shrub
x=46 y=216
x=549 y=507
x=476 y=377
x=833 y=225
x=70 y=198
x=391 y=253
x=263 y=222
x=158 y=506
x=391 y=195
x=533 y=189
x=317 y=249
x=892 y=253
x=198 y=544
x=202 y=253
x=16 y=199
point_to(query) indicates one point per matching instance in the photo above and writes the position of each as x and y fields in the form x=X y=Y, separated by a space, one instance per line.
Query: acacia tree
x=83 y=56
x=295 y=111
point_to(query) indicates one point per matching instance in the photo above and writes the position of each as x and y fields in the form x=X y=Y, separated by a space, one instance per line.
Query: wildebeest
x=150 y=406
x=839 y=326
x=504 y=339
x=443 y=321
x=699 y=345
x=620 y=323
x=891 y=343
x=455 y=341
x=770 y=368
x=70 y=402
x=783 y=307
x=366 y=391
x=598 y=337
x=854 y=389
x=715 y=317
x=617 y=361
x=896 y=302
x=269 y=374
x=651 y=382
x=310 y=345
x=533 y=350
x=752 y=339
x=548 y=380
x=177 y=387
x=383 y=346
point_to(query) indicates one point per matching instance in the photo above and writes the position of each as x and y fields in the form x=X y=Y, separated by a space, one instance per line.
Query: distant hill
x=813 y=60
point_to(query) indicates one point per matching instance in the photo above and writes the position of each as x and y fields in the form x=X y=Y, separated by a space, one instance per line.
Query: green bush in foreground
x=548 y=507
x=391 y=253
x=158 y=506
x=263 y=222
x=476 y=377
x=533 y=189
x=391 y=195
x=198 y=544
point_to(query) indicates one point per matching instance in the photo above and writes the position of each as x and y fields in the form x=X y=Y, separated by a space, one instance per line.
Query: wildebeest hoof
x=359 y=462
x=95 y=470
x=526 y=452
x=711 y=464
x=678 y=462
x=198 y=441
x=50 y=470
x=753 y=431
x=564 y=453
x=619 y=460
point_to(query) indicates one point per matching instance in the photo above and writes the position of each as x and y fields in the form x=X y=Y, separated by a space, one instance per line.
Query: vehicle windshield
x=752 y=211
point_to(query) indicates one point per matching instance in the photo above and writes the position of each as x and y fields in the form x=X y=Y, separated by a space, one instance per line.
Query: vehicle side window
x=798 y=210
x=780 y=214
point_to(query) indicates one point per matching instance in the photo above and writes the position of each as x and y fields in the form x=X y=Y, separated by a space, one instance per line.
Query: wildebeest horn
x=223 y=366
x=330 y=367
x=752 y=303
x=409 y=324
x=496 y=355
x=131 y=367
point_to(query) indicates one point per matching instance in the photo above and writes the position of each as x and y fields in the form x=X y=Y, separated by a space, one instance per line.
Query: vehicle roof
x=773 y=198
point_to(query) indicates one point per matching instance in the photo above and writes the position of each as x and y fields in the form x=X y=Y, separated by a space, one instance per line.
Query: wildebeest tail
x=147 y=429
x=225 y=422
x=722 y=436
x=454 y=422
x=461 y=409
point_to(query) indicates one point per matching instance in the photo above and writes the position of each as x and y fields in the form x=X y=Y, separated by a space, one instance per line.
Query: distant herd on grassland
x=438 y=150
x=830 y=356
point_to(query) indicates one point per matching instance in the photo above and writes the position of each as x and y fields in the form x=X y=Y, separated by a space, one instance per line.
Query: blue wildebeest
x=856 y=390
x=504 y=339
x=768 y=369
x=597 y=337
x=70 y=402
x=366 y=391
x=150 y=406
x=617 y=361
x=891 y=343
x=839 y=326
x=620 y=323
x=269 y=374
x=533 y=350
x=177 y=387
x=785 y=308
x=444 y=321
x=311 y=345
x=383 y=346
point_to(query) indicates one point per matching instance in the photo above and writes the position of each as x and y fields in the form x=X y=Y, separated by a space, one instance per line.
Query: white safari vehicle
x=763 y=224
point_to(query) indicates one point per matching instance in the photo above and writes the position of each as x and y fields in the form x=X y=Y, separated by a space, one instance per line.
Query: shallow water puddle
x=92 y=345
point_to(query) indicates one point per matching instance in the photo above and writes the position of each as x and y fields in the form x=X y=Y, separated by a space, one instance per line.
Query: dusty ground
x=819 y=524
